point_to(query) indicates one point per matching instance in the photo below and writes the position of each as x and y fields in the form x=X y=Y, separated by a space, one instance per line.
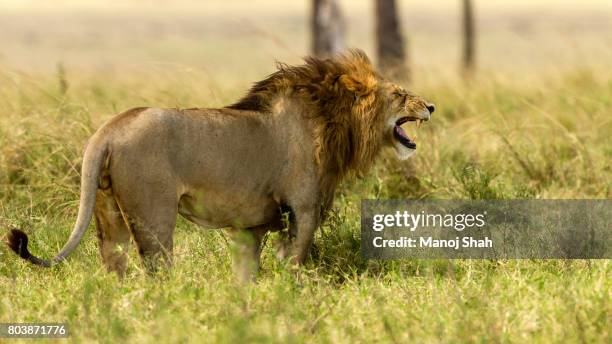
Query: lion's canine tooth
x=418 y=123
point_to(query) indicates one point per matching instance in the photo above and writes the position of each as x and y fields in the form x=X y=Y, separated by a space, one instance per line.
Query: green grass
x=490 y=139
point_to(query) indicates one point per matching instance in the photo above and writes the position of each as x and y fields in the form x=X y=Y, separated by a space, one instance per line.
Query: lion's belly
x=216 y=211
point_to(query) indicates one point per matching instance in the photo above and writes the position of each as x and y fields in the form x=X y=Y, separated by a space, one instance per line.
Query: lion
x=284 y=146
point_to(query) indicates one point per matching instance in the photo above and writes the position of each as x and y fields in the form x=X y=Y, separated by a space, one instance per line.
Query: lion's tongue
x=403 y=137
x=401 y=132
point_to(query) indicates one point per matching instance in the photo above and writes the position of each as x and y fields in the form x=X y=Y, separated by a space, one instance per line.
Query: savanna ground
x=535 y=122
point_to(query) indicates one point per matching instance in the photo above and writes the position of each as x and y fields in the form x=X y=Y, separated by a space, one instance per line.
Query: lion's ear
x=358 y=87
x=352 y=85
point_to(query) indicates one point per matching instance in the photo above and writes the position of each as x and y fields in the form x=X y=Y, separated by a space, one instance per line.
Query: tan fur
x=285 y=145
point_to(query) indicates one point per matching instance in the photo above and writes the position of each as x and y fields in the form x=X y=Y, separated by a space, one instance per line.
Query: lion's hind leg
x=151 y=220
x=113 y=232
x=155 y=244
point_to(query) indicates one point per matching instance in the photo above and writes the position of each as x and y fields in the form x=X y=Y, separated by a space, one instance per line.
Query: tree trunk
x=390 y=44
x=468 y=38
x=327 y=28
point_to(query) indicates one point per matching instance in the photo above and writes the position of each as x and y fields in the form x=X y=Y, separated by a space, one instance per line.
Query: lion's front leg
x=247 y=251
x=283 y=248
x=302 y=234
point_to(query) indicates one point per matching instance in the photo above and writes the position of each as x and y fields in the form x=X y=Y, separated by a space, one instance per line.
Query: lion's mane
x=341 y=97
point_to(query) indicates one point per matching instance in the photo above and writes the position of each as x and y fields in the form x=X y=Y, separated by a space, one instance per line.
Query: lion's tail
x=93 y=160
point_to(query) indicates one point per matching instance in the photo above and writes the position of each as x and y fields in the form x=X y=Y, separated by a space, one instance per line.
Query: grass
x=545 y=134
x=490 y=140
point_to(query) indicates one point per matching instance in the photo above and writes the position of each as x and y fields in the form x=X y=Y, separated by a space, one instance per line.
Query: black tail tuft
x=18 y=242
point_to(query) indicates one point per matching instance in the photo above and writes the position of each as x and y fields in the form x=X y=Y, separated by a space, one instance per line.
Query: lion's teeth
x=418 y=123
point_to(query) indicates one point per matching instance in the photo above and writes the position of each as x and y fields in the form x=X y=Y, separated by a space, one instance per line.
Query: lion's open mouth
x=401 y=136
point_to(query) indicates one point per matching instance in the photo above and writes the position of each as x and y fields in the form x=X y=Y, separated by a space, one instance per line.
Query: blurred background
x=227 y=38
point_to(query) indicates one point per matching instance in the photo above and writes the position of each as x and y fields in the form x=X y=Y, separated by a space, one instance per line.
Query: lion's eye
x=401 y=96
x=401 y=99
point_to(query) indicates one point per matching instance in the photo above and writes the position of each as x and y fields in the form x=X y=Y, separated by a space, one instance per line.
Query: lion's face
x=403 y=107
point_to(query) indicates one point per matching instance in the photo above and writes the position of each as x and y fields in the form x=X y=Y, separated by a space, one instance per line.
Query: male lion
x=285 y=145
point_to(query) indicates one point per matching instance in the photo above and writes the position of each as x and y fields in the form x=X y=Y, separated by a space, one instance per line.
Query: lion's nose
x=431 y=108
